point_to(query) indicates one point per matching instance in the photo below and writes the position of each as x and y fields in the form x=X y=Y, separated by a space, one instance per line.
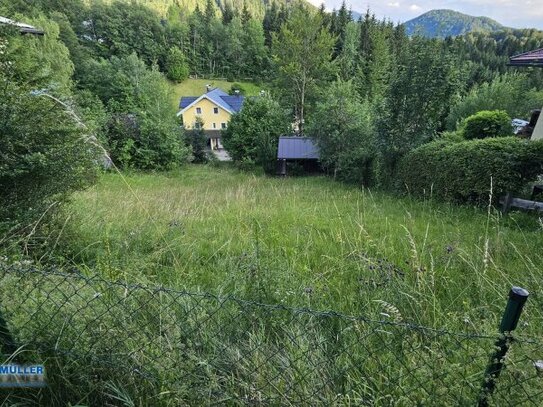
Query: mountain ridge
x=443 y=23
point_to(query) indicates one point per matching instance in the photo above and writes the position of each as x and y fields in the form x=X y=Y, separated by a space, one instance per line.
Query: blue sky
x=512 y=13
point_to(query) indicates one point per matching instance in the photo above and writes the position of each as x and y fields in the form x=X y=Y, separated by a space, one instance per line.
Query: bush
x=253 y=134
x=342 y=127
x=465 y=171
x=495 y=123
x=45 y=154
x=177 y=67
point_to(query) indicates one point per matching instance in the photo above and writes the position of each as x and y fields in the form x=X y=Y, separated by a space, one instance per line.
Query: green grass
x=196 y=87
x=207 y=228
x=304 y=242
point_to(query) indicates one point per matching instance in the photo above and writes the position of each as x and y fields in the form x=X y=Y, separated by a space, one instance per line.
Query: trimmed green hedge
x=461 y=172
x=487 y=123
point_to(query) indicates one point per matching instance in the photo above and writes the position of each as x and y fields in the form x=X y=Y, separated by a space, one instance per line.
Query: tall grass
x=302 y=242
x=305 y=242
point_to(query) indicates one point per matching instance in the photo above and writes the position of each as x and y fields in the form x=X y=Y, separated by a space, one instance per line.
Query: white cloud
x=414 y=7
x=395 y=4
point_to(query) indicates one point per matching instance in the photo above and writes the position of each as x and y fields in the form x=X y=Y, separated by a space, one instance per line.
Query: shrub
x=253 y=134
x=465 y=171
x=343 y=130
x=177 y=67
x=45 y=154
x=487 y=123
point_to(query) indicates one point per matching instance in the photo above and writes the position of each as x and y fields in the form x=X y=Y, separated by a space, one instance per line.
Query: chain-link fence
x=111 y=343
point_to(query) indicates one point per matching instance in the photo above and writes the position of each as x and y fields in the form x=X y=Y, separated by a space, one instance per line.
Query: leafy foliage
x=487 y=123
x=253 y=133
x=470 y=171
x=143 y=131
x=196 y=139
x=302 y=52
x=343 y=130
x=176 y=65
x=417 y=101
x=511 y=93
x=44 y=152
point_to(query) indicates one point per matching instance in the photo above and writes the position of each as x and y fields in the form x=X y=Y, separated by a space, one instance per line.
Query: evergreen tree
x=228 y=13
x=348 y=58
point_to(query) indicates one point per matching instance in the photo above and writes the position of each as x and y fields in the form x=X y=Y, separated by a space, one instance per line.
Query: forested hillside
x=405 y=91
x=447 y=23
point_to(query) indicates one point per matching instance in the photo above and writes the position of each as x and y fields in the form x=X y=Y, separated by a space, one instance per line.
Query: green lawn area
x=195 y=87
x=308 y=242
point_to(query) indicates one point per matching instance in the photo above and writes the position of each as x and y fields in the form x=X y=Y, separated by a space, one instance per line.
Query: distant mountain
x=449 y=23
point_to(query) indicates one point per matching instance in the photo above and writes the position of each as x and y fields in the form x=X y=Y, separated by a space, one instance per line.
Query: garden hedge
x=462 y=171
x=487 y=123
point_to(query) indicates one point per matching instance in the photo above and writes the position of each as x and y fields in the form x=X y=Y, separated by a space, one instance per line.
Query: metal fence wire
x=184 y=348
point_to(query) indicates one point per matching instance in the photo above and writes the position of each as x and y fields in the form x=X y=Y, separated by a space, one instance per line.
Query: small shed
x=298 y=151
x=531 y=59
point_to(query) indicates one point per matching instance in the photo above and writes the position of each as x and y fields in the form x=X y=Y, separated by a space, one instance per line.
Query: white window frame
x=198 y=110
x=223 y=125
x=216 y=110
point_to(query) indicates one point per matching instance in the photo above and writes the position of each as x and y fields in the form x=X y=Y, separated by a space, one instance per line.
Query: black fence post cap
x=519 y=294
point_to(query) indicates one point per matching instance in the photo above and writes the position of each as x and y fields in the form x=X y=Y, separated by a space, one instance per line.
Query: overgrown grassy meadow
x=307 y=242
x=425 y=283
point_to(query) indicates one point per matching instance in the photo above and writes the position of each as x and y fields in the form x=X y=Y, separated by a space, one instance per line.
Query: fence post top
x=518 y=294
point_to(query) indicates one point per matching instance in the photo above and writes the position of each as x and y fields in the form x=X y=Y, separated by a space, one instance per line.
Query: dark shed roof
x=531 y=58
x=297 y=148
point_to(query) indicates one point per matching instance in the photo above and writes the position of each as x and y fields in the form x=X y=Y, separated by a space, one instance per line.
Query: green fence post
x=511 y=316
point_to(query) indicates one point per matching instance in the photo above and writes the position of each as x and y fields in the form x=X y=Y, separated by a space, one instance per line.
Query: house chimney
x=236 y=92
x=208 y=88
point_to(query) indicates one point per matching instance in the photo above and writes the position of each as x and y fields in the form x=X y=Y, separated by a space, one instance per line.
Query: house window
x=198 y=110
x=214 y=125
x=216 y=110
x=223 y=125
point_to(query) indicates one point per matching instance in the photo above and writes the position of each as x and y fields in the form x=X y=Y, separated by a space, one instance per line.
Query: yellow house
x=213 y=109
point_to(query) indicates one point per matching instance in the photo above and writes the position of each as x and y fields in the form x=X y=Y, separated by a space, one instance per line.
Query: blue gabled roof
x=297 y=148
x=186 y=100
x=235 y=102
x=219 y=97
